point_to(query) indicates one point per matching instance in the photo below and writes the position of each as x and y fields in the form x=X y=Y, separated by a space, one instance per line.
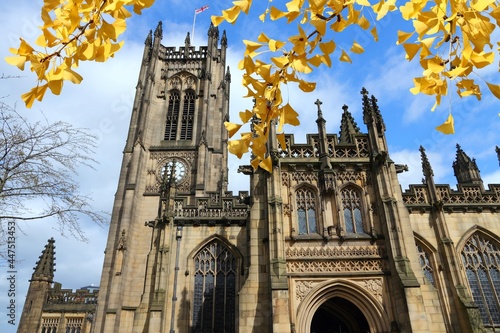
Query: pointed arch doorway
x=338 y=315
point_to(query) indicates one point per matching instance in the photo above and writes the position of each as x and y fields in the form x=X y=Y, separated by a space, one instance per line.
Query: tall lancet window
x=425 y=263
x=351 y=204
x=172 y=115
x=306 y=211
x=188 y=115
x=214 y=289
x=481 y=258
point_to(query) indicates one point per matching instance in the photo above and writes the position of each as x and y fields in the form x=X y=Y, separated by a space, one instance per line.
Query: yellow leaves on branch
x=72 y=31
x=264 y=76
x=451 y=39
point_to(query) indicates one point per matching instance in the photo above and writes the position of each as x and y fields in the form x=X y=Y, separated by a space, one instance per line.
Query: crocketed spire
x=348 y=126
x=44 y=269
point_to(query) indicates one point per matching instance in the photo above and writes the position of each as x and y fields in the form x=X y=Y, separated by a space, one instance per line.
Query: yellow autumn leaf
x=288 y=116
x=495 y=89
x=275 y=13
x=238 y=147
x=328 y=47
x=70 y=75
x=481 y=5
x=251 y=46
x=246 y=116
x=356 y=48
x=300 y=65
x=55 y=86
x=275 y=45
x=281 y=140
x=255 y=162
x=345 y=57
x=17 y=61
x=267 y=164
x=232 y=128
x=280 y=62
x=411 y=50
x=364 y=23
x=293 y=5
x=307 y=86
x=363 y=2
x=374 y=33
x=244 y=5
x=320 y=26
x=230 y=15
x=403 y=36
x=448 y=126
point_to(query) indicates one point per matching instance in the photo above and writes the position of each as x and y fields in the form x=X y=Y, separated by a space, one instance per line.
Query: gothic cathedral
x=326 y=242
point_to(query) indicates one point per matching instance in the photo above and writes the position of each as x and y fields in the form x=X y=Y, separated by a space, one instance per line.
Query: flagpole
x=194 y=22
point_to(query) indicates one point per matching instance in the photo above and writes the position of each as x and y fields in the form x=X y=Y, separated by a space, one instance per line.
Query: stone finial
x=44 y=269
x=187 y=41
x=149 y=39
x=318 y=104
x=159 y=31
x=367 y=109
x=223 y=40
x=426 y=165
x=228 y=75
x=347 y=126
x=378 y=115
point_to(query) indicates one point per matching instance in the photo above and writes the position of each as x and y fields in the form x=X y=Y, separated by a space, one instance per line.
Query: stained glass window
x=214 y=290
x=481 y=258
x=351 y=205
x=423 y=259
x=187 y=115
x=172 y=115
x=306 y=211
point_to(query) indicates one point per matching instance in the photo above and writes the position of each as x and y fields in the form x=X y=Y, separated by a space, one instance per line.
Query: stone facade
x=327 y=240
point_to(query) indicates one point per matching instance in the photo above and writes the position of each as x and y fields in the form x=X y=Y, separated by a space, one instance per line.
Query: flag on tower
x=200 y=10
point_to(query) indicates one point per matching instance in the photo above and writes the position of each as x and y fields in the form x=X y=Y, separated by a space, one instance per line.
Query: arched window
x=351 y=205
x=481 y=258
x=172 y=115
x=214 y=289
x=306 y=211
x=423 y=259
x=187 y=115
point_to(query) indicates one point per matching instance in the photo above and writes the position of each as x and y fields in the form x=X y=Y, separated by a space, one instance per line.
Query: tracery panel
x=351 y=204
x=481 y=258
x=172 y=115
x=306 y=211
x=214 y=289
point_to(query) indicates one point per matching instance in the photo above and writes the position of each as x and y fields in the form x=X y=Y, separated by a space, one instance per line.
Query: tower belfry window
x=351 y=205
x=214 y=289
x=172 y=115
x=187 y=115
x=306 y=211
x=481 y=258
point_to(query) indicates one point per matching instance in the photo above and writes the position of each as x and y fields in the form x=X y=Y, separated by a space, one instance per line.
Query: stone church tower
x=176 y=248
x=325 y=242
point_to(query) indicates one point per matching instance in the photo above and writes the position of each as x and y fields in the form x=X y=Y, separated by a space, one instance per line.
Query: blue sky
x=103 y=103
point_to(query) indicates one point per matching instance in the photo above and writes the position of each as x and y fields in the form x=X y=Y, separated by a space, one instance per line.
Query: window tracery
x=351 y=205
x=49 y=325
x=423 y=259
x=214 y=289
x=172 y=115
x=187 y=115
x=481 y=258
x=306 y=211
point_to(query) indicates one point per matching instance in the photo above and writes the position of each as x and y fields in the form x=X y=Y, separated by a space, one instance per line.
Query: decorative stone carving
x=335 y=252
x=335 y=266
x=307 y=177
x=374 y=287
x=302 y=288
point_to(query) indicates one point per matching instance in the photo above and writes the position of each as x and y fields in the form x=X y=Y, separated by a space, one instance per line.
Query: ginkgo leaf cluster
x=451 y=39
x=72 y=31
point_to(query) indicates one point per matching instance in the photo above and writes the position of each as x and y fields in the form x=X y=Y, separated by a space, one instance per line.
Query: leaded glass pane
x=215 y=290
x=349 y=226
x=358 y=220
x=301 y=215
x=351 y=203
x=423 y=259
x=311 y=220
